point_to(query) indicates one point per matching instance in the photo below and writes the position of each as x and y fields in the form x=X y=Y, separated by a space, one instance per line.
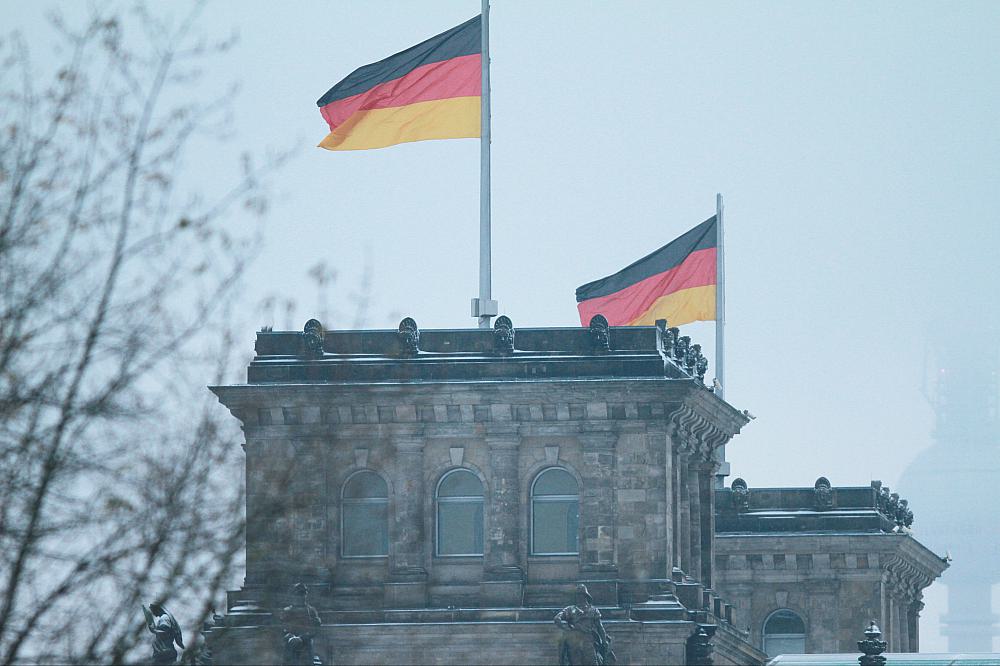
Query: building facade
x=806 y=566
x=443 y=493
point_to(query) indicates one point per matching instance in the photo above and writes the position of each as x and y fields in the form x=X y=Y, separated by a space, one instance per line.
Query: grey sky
x=856 y=145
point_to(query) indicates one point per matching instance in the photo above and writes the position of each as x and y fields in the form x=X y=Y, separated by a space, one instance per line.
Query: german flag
x=429 y=91
x=676 y=283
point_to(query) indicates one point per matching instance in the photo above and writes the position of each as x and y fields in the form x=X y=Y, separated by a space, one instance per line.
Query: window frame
x=458 y=499
x=358 y=501
x=532 y=498
x=764 y=635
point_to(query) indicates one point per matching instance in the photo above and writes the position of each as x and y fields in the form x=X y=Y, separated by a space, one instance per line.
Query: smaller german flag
x=676 y=283
x=429 y=91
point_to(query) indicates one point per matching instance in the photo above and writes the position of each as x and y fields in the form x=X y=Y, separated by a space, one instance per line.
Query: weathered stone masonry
x=632 y=423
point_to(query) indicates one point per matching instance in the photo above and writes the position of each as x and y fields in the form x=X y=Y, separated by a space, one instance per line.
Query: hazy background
x=855 y=144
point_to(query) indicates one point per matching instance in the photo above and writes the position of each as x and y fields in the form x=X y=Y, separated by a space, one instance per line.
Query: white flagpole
x=484 y=307
x=720 y=327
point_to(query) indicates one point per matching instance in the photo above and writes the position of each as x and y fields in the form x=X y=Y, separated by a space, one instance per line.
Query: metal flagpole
x=484 y=307
x=720 y=327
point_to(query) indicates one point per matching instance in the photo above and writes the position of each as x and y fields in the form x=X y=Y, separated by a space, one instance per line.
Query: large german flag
x=429 y=91
x=676 y=283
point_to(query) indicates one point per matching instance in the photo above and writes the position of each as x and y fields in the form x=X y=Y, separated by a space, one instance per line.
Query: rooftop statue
x=166 y=632
x=298 y=622
x=584 y=640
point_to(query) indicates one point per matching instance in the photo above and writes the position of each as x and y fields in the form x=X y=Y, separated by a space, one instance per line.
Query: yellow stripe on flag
x=681 y=307
x=454 y=118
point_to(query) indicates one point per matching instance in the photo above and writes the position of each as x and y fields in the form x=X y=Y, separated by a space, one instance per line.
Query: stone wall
x=474 y=643
x=835 y=582
x=641 y=453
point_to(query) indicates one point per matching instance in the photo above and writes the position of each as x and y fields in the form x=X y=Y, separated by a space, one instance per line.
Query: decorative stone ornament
x=872 y=647
x=600 y=333
x=741 y=495
x=503 y=336
x=824 y=493
x=681 y=348
x=699 y=645
x=409 y=338
x=312 y=339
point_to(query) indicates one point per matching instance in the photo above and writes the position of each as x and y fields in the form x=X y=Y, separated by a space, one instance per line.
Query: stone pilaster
x=503 y=577
x=695 y=522
x=659 y=439
x=407 y=583
x=707 y=470
x=597 y=515
x=684 y=511
x=915 y=607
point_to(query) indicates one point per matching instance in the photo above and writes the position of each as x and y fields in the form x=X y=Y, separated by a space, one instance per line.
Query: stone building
x=806 y=566
x=442 y=493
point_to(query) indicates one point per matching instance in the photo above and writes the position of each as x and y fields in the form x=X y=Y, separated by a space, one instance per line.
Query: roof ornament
x=823 y=493
x=872 y=647
x=503 y=336
x=312 y=339
x=681 y=349
x=741 y=495
x=409 y=338
x=600 y=334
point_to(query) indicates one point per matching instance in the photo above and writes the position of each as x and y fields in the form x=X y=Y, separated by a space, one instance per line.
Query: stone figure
x=583 y=639
x=298 y=624
x=823 y=493
x=312 y=338
x=741 y=495
x=409 y=337
x=503 y=336
x=165 y=632
x=600 y=333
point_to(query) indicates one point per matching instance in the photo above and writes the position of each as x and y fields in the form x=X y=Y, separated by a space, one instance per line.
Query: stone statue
x=409 y=337
x=165 y=632
x=741 y=495
x=823 y=493
x=298 y=622
x=600 y=333
x=312 y=338
x=583 y=639
x=503 y=336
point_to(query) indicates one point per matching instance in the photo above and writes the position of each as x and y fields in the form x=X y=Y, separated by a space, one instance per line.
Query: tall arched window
x=459 y=500
x=784 y=633
x=555 y=513
x=364 y=509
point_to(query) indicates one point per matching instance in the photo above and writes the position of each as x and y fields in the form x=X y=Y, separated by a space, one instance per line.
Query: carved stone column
x=683 y=533
x=695 y=522
x=503 y=578
x=407 y=584
x=597 y=519
x=915 y=608
x=675 y=506
x=707 y=470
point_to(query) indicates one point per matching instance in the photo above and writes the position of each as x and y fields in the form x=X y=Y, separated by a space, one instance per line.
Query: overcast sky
x=855 y=144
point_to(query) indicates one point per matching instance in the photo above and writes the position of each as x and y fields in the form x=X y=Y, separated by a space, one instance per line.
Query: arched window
x=555 y=513
x=784 y=633
x=364 y=510
x=459 y=500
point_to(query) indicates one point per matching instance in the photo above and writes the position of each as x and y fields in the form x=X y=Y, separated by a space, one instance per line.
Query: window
x=784 y=633
x=365 y=516
x=459 y=500
x=555 y=513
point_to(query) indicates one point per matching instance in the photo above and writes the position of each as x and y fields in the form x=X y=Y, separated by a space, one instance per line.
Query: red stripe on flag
x=458 y=77
x=626 y=305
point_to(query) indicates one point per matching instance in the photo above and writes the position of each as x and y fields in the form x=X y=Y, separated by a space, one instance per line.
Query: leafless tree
x=119 y=477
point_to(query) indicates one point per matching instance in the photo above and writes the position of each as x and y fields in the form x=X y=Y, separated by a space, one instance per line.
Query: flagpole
x=720 y=328
x=484 y=307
